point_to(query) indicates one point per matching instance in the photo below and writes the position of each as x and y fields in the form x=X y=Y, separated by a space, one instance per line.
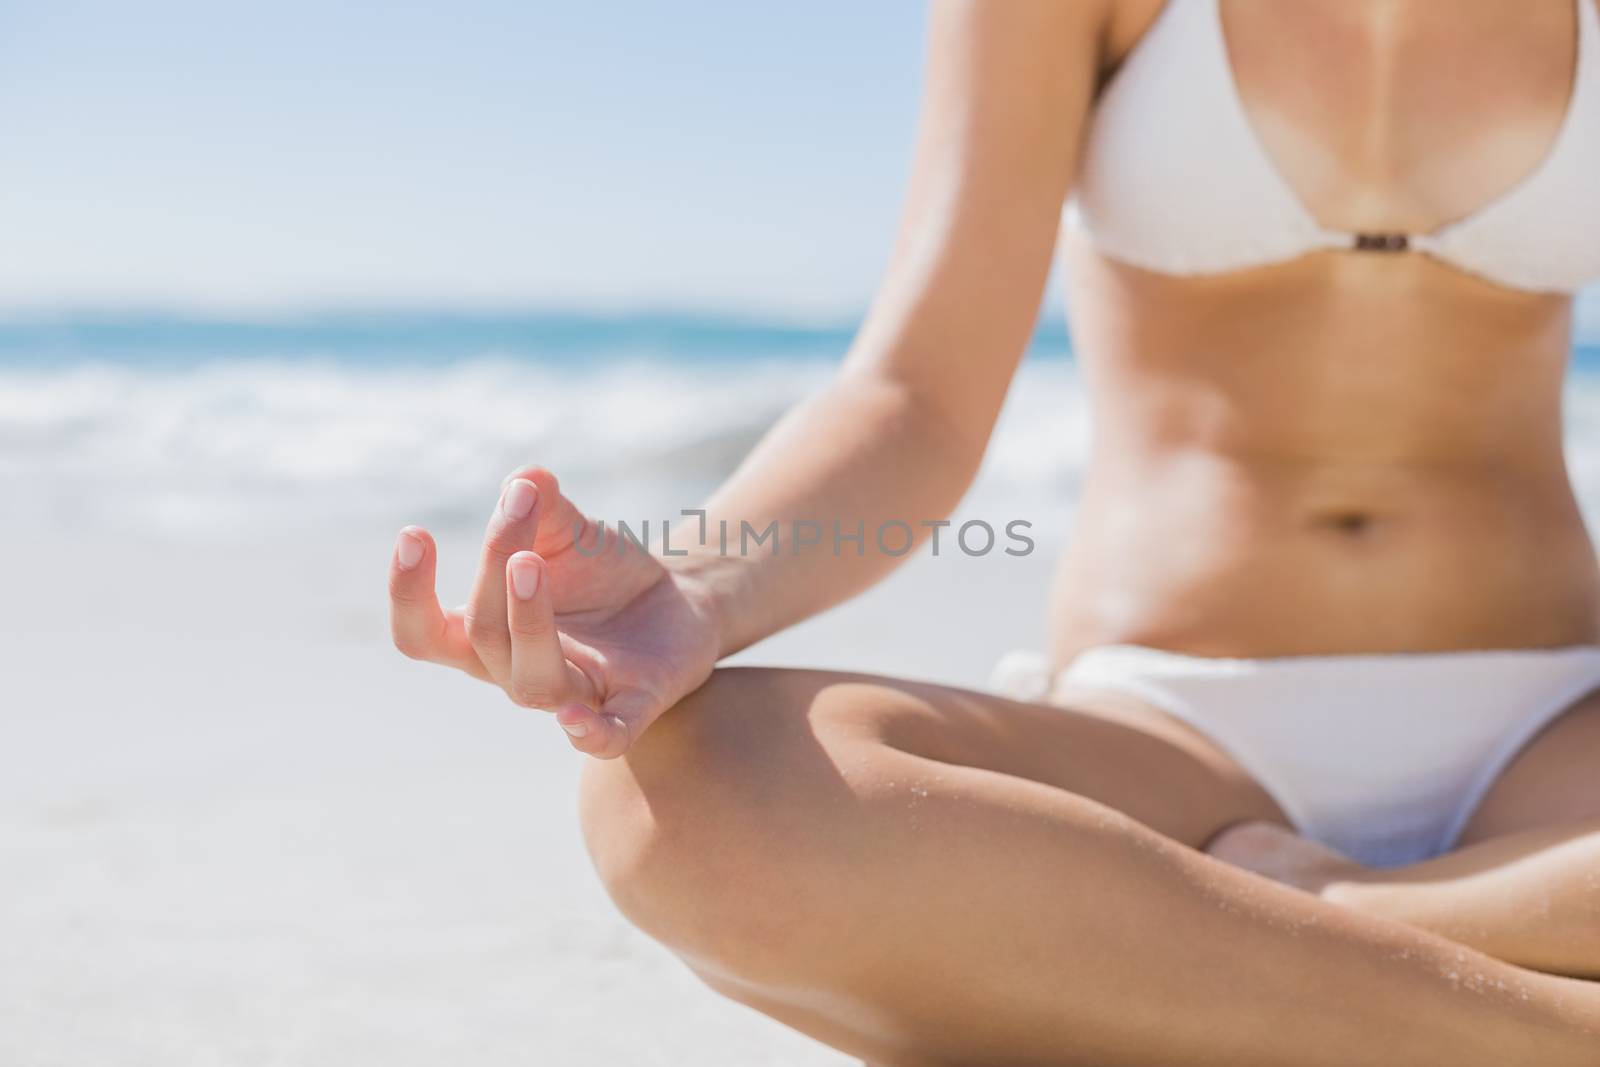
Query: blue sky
x=715 y=153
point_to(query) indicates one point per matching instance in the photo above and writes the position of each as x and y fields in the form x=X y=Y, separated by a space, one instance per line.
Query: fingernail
x=524 y=578
x=407 y=550
x=518 y=500
x=576 y=729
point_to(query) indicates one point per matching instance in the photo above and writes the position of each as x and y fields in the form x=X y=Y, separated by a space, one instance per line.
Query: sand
x=236 y=828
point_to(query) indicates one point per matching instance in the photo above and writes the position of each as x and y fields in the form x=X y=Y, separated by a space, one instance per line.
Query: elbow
x=938 y=443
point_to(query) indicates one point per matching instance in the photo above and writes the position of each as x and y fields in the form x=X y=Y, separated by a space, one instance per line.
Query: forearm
x=838 y=494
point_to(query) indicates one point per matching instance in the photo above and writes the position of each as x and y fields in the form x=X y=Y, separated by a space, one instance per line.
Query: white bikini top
x=1174 y=179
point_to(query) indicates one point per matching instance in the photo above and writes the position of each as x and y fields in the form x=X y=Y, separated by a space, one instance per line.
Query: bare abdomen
x=1216 y=556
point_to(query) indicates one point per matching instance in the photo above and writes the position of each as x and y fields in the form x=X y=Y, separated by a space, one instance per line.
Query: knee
x=697 y=833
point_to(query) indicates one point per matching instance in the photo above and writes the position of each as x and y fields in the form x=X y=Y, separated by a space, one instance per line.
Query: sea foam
x=222 y=446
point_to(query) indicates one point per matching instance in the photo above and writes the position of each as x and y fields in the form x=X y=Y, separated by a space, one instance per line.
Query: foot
x=1278 y=853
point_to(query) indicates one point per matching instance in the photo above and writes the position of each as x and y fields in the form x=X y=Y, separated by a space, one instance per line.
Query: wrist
x=713 y=586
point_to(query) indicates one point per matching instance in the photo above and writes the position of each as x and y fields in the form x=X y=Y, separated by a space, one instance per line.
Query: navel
x=1346 y=522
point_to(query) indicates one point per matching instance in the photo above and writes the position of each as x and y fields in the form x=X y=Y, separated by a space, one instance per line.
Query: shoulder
x=1037 y=32
x=1021 y=41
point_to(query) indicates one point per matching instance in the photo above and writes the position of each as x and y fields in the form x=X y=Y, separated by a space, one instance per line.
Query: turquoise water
x=431 y=338
x=401 y=339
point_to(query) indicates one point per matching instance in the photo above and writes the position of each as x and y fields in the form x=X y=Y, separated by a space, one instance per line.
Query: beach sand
x=237 y=828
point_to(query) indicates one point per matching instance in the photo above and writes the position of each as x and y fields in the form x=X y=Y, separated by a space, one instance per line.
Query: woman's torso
x=1341 y=452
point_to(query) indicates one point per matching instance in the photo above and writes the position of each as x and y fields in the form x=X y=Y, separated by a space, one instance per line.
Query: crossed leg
x=1524 y=883
x=919 y=875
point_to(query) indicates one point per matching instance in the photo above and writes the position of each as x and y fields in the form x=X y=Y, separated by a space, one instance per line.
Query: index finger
x=420 y=628
x=541 y=676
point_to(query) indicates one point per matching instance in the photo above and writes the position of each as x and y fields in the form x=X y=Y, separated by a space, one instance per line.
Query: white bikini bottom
x=1383 y=757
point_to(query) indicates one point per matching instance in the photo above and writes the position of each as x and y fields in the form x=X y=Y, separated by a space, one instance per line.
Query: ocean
x=196 y=427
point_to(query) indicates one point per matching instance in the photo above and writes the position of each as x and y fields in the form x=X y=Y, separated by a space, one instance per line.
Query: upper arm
x=1009 y=84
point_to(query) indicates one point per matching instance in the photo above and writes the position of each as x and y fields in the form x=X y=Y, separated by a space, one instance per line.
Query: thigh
x=919 y=874
x=823 y=727
x=1554 y=780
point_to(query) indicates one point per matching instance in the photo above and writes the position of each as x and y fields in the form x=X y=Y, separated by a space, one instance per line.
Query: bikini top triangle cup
x=1174 y=179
